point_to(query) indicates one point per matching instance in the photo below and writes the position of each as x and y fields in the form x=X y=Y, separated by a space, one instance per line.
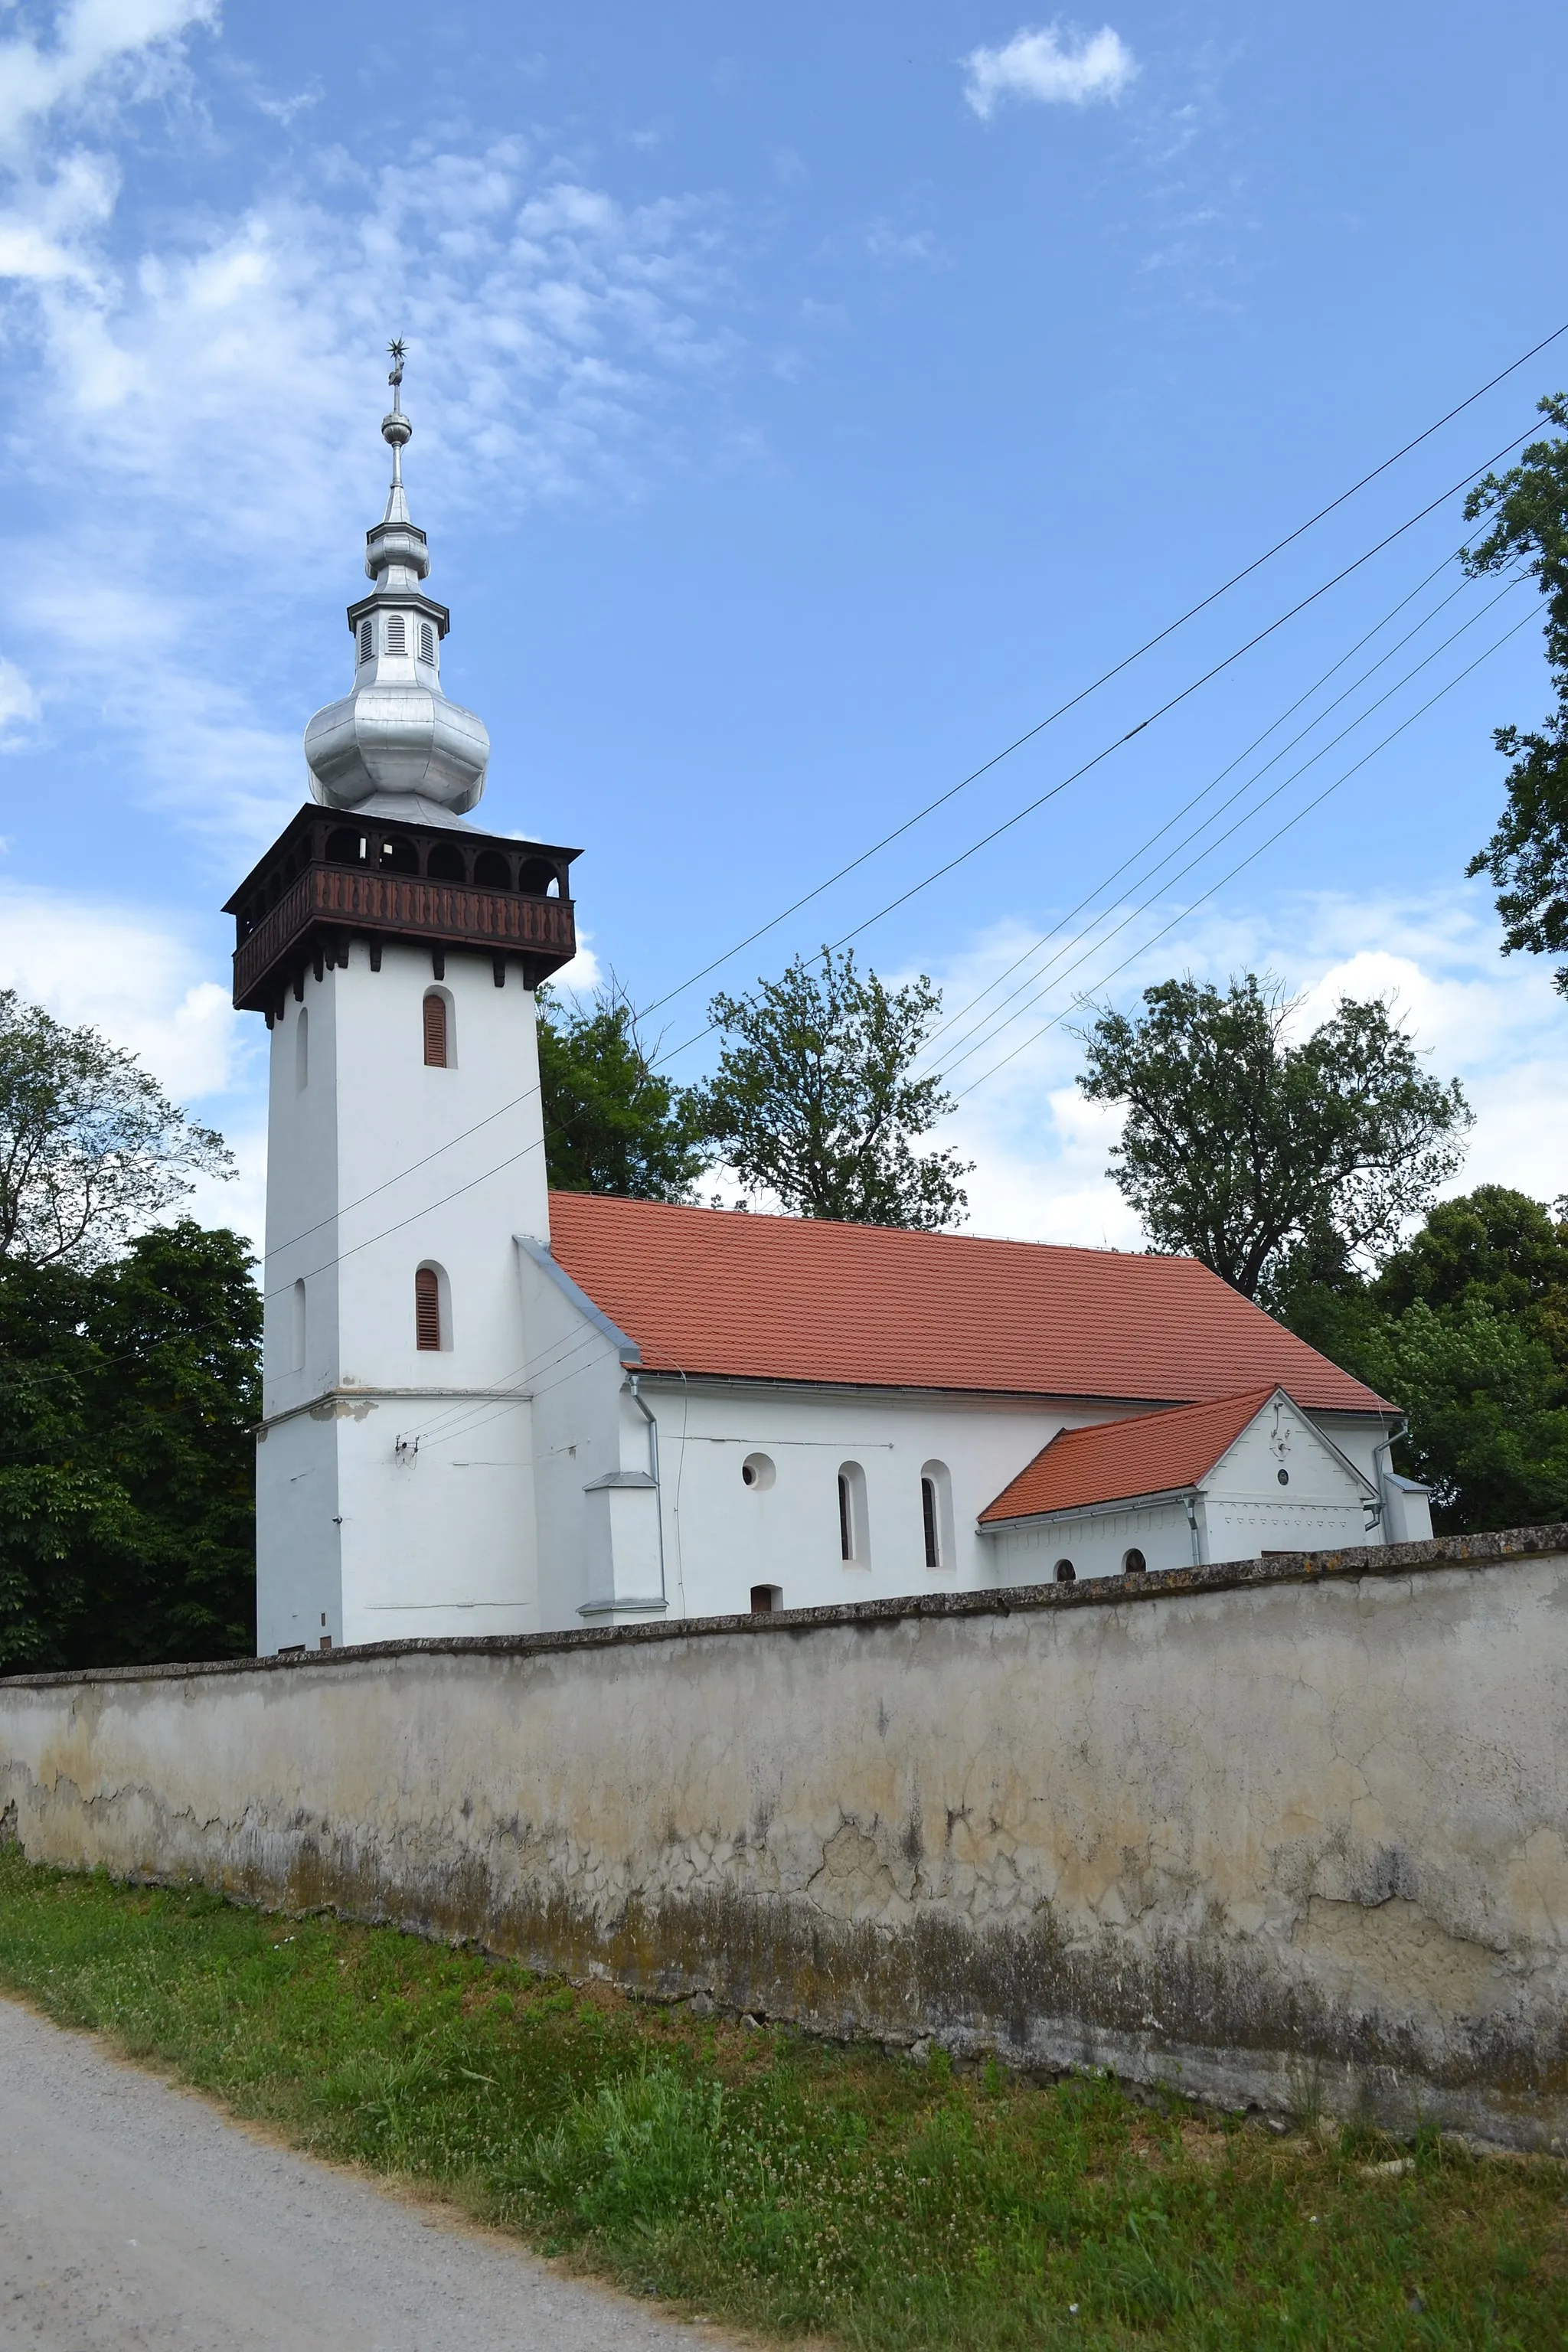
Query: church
x=490 y=1409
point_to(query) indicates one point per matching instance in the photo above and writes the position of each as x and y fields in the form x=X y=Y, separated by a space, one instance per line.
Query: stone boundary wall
x=1288 y=1834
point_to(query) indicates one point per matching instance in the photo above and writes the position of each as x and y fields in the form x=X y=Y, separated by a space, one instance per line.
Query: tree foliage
x=815 y=1102
x=611 y=1123
x=1466 y=1328
x=1240 y=1145
x=1527 y=856
x=128 y=1394
x=89 y=1145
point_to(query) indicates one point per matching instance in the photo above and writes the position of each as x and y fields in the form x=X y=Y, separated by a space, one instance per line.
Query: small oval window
x=1284 y=1477
x=757 y=1471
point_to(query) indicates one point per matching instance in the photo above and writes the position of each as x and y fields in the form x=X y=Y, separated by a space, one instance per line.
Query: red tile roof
x=1150 y=1454
x=796 y=1298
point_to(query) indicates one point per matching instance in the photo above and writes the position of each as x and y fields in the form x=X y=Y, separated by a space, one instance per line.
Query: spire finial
x=395 y=430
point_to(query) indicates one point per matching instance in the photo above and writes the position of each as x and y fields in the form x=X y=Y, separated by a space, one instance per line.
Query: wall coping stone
x=1478 y=1552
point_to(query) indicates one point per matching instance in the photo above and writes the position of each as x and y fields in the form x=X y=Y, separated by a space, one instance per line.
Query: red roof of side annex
x=1120 y=1461
x=798 y=1298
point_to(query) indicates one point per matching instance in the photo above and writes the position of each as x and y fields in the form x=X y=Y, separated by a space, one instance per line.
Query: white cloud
x=231 y=372
x=1496 y=1023
x=138 y=979
x=132 y=976
x=1049 y=67
x=95 y=41
x=18 y=704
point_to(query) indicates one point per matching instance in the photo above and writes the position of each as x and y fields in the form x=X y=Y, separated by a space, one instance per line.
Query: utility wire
x=1018 y=817
x=1125 y=663
x=1256 y=777
x=466 y=1418
x=1251 y=856
x=960 y=1012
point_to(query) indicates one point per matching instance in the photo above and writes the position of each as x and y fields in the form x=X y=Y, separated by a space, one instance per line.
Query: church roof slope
x=1152 y=1453
x=798 y=1298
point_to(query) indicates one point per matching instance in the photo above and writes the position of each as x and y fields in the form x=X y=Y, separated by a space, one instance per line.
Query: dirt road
x=133 y=2215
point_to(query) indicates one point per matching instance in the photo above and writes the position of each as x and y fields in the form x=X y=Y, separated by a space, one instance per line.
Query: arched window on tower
x=437 y=1030
x=432 y=1320
x=396 y=640
x=366 y=641
x=427 y=642
x=302 y=1050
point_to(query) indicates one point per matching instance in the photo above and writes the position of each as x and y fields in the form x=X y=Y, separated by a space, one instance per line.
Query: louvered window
x=427 y=1308
x=395 y=641
x=366 y=641
x=427 y=642
x=434 y=1031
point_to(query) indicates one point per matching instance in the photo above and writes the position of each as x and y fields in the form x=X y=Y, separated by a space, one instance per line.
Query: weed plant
x=789 y=2187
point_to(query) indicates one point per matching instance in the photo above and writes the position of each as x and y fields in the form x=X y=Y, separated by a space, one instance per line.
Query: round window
x=1284 y=1477
x=757 y=1470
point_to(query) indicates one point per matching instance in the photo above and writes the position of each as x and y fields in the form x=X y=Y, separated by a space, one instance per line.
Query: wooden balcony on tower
x=332 y=877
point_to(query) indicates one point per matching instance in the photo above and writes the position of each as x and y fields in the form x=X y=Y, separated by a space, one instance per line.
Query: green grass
x=786 y=2186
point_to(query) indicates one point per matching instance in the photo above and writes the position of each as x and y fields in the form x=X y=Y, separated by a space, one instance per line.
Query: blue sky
x=807 y=402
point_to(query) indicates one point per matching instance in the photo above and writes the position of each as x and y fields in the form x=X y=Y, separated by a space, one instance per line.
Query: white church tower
x=394 y=950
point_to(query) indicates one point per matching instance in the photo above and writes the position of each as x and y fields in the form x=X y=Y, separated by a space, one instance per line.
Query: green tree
x=611 y=1123
x=1467 y=1328
x=1487 y=1408
x=129 y=1395
x=1527 y=856
x=814 y=1098
x=1494 y=1247
x=89 y=1145
x=1241 y=1146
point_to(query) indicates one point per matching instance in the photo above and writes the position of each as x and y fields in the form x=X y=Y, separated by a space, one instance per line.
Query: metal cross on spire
x=395 y=429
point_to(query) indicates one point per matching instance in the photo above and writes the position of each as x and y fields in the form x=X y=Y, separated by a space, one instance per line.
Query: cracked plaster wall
x=1287 y=1834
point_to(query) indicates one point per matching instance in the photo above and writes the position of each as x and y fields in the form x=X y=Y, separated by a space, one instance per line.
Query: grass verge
x=788 y=2186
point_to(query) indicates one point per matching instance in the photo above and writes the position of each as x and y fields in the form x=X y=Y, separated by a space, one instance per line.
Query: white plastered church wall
x=1237 y=1510
x=435 y=1535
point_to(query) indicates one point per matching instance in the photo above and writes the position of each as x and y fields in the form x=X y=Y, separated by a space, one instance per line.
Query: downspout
x=1192 y=1504
x=653 y=1466
x=1384 y=1446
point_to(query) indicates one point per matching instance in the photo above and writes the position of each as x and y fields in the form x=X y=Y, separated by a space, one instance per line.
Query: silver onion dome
x=395 y=745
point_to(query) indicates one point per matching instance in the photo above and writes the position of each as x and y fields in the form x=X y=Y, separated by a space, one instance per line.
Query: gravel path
x=132 y=2214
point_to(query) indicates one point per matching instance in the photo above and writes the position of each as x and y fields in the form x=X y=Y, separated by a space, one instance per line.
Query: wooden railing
x=400 y=906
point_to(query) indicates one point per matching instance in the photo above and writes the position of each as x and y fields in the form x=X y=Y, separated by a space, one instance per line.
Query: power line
x=1256 y=777
x=1125 y=663
x=985 y=840
x=1250 y=859
x=500 y=1166
x=1214 y=783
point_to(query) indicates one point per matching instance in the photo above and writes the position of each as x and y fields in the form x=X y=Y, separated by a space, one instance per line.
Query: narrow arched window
x=396 y=641
x=366 y=641
x=853 y=1543
x=302 y=1050
x=1133 y=1562
x=936 y=1514
x=427 y=1308
x=427 y=642
x=435 y=1030
x=1065 y=1573
x=296 y=1331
